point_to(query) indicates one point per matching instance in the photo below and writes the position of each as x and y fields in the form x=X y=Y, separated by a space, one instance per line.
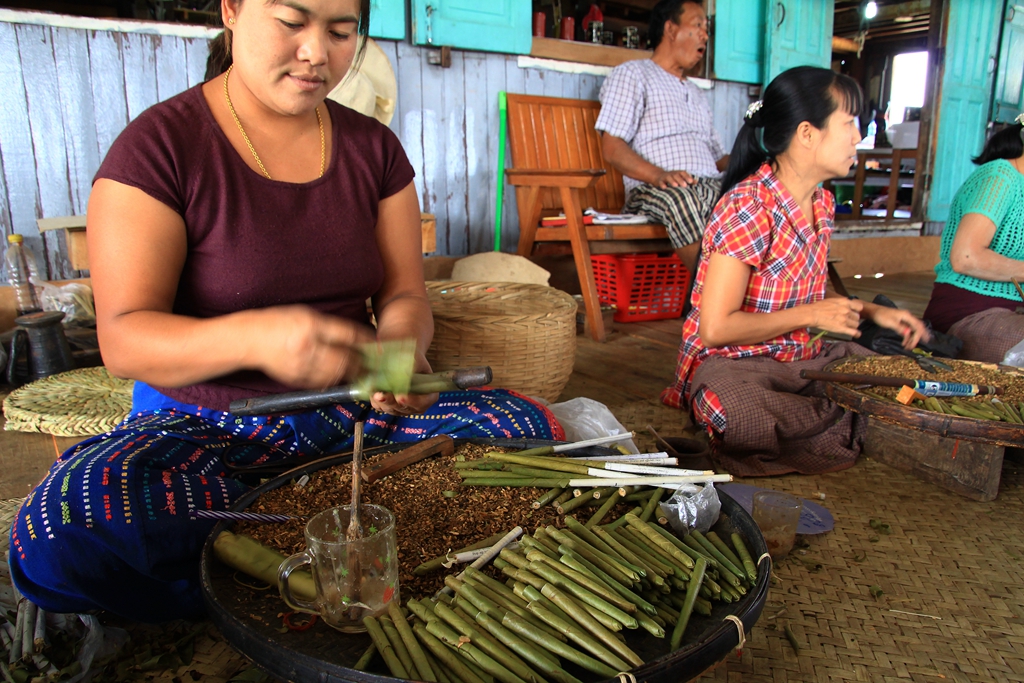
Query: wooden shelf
x=585 y=53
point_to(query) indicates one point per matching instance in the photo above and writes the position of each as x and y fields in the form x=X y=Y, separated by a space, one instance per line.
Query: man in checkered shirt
x=656 y=129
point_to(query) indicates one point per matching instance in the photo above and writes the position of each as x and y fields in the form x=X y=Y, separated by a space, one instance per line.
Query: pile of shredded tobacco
x=434 y=514
x=965 y=372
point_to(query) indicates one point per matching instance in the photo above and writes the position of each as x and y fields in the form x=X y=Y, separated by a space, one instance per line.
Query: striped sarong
x=684 y=211
x=989 y=334
x=770 y=421
x=109 y=527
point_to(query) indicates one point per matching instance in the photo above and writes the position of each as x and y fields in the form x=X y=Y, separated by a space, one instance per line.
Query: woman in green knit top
x=982 y=253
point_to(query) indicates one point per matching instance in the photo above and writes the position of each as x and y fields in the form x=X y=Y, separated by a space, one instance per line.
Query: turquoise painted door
x=491 y=25
x=1007 y=100
x=799 y=33
x=972 y=38
x=387 y=19
x=739 y=40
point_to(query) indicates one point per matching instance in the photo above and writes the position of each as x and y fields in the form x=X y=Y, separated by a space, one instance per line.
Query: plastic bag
x=74 y=299
x=584 y=418
x=100 y=642
x=1015 y=356
x=692 y=507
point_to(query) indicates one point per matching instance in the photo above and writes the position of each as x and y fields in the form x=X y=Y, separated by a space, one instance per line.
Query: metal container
x=41 y=346
x=323 y=655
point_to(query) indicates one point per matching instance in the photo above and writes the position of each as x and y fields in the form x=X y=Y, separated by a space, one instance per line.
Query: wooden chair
x=557 y=166
x=894 y=178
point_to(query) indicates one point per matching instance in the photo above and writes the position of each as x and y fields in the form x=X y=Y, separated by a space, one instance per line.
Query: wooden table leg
x=581 y=253
x=894 y=183
x=529 y=217
x=837 y=282
x=858 y=186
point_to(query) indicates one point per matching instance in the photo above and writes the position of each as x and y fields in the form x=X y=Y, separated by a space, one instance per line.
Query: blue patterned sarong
x=108 y=528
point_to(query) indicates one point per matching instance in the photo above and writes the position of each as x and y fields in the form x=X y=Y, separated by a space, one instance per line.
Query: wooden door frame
x=928 y=135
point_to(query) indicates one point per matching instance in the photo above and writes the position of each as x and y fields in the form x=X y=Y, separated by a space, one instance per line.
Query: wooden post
x=858 y=184
x=528 y=221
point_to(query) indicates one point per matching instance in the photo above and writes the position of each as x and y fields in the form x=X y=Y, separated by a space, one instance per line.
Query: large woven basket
x=526 y=333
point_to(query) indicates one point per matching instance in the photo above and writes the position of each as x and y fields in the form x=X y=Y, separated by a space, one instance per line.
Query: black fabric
x=890 y=343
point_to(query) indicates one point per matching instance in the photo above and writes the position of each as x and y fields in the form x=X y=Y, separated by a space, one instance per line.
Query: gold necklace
x=231 y=108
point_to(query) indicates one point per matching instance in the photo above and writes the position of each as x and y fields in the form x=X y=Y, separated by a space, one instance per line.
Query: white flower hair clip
x=1019 y=119
x=756 y=107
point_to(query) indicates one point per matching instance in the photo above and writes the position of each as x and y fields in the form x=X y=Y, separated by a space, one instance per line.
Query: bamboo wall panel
x=69 y=91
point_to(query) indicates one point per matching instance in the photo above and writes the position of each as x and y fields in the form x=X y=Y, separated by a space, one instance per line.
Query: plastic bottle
x=23 y=275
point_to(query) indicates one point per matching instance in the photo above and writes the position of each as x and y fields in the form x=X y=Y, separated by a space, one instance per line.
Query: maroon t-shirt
x=951 y=304
x=254 y=242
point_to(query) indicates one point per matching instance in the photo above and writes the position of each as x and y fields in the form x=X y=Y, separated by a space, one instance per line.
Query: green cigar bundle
x=569 y=595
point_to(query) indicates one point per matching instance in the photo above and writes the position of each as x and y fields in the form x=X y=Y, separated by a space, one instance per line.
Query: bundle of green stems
x=567 y=597
x=995 y=409
x=991 y=409
x=518 y=470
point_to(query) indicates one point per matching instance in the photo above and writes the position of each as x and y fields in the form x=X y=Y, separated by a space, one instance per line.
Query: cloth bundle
x=890 y=343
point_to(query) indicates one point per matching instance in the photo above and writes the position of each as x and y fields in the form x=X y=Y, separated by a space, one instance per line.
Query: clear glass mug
x=777 y=515
x=353 y=579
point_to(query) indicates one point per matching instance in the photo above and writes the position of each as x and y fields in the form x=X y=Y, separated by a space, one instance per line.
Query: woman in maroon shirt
x=164 y=315
x=236 y=232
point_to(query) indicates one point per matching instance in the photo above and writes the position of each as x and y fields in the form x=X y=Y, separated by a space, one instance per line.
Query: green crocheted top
x=995 y=190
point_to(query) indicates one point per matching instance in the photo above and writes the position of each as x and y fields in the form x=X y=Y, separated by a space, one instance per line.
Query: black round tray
x=251 y=621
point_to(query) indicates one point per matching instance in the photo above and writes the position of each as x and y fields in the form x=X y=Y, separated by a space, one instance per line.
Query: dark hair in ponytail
x=220 y=47
x=1006 y=144
x=804 y=93
x=666 y=10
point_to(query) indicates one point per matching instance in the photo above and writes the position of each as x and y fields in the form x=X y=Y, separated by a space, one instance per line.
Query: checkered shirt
x=665 y=120
x=759 y=223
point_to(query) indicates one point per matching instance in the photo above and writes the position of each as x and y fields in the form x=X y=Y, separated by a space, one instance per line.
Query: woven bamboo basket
x=81 y=402
x=526 y=333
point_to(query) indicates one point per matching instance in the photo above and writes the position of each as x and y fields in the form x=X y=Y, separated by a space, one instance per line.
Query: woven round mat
x=81 y=402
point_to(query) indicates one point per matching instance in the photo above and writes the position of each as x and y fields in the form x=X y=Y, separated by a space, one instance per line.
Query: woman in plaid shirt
x=761 y=284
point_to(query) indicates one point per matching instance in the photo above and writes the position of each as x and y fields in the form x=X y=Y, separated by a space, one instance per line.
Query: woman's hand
x=405 y=404
x=837 y=314
x=305 y=349
x=903 y=322
x=401 y=305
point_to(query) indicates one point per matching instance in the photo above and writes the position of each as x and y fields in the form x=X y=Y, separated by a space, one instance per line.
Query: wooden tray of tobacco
x=880 y=402
x=433 y=516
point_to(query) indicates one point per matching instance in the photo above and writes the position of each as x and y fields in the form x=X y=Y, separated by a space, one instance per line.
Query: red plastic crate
x=641 y=286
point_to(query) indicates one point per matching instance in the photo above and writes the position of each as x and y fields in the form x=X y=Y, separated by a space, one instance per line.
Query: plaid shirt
x=664 y=119
x=759 y=223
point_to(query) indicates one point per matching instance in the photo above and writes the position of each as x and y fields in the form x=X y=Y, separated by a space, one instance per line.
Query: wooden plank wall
x=68 y=92
x=447 y=119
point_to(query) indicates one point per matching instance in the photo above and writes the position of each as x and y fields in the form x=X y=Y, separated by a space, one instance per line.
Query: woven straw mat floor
x=938 y=598
x=956 y=565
